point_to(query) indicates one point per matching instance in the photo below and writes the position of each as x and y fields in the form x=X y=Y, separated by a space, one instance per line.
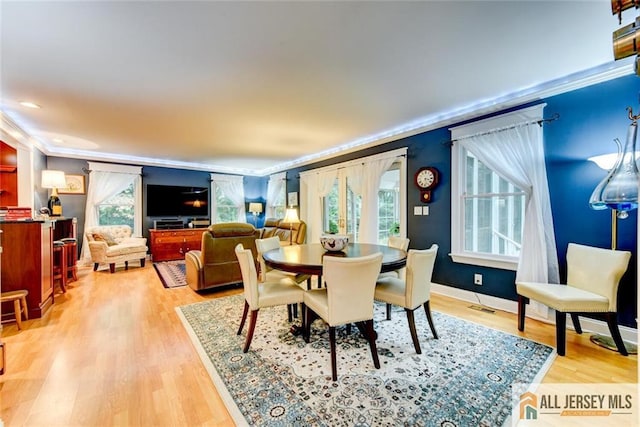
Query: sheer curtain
x=277 y=184
x=517 y=154
x=314 y=187
x=105 y=181
x=232 y=186
x=372 y=172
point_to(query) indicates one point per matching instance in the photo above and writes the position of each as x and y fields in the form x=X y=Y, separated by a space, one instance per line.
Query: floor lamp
x=291 y=217
x=618 y=191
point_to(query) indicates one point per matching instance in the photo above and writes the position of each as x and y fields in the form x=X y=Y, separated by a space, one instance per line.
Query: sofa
x=216 y=264
x=276 y=227
x=113 y=244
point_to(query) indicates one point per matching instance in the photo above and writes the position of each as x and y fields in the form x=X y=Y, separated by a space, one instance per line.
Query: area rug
x=464 y=378
x=172 y=273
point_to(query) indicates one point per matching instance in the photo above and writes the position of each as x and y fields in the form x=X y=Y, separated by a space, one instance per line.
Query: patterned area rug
x=172 y=273
x=462 y=379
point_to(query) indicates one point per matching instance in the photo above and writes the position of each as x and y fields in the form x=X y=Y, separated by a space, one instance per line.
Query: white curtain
x=517 y=154
x=276 y=186
x=232 y=186
x=371 y=174
x=105 y=181
x=314 y=187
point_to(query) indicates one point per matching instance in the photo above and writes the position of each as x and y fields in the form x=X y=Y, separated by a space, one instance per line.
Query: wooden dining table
x=307 y=258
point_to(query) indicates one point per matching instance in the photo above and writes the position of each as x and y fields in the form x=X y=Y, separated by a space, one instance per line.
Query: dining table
x=307 y=258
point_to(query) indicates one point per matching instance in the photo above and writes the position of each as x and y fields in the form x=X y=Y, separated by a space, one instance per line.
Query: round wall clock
x=426 y=179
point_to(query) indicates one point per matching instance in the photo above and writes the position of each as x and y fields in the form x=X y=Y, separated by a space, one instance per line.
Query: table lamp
x=255 y=209
x=54 y=179
x=291 y=217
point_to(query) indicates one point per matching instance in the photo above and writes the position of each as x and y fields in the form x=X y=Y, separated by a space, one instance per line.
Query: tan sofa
x=113 y=244
x=216 y=263
x=275 y=227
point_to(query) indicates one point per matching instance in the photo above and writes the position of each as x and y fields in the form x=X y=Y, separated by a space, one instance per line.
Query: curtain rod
x=553 y=118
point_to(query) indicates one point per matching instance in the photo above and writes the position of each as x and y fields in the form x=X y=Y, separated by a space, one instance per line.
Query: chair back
x=350 y=286
x=418 y=279
x=398 y=242
x=249 y=275
x=262 y=246
x=597 y=270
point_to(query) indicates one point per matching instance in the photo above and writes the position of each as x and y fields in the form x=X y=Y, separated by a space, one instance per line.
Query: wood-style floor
x=112 y=351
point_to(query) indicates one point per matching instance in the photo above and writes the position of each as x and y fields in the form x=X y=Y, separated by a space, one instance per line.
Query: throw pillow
x=104 y=237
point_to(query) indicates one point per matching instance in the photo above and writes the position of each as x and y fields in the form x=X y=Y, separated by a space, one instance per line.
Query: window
x=118 y=209
x=226 y=210
x=493 y=211
x=276 y=195
x=389 y=204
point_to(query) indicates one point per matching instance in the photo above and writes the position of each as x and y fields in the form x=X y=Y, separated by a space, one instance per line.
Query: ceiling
x=256 y=87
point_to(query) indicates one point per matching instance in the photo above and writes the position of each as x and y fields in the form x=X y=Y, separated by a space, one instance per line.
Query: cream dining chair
x=346 y=298
x=593 y=275
x=397 y=243
x=268 y=274
x=260 y=295
x=412 y=292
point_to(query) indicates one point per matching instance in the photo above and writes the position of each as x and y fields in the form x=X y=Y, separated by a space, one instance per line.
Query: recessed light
x=29 y=104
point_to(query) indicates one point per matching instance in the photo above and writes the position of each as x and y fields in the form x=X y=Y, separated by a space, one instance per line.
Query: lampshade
x=291 y=217
x=53 y=179
x=255 y=208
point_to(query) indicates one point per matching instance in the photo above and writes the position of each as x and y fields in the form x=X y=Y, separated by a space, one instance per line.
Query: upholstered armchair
x=593 y=275
x=216 y=264
x=113 y=244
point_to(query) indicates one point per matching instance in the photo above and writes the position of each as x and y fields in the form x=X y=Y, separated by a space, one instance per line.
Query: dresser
x=173 y=244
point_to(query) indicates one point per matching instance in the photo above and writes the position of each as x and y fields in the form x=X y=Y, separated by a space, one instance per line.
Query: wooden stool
x=19 y=296
x=60 y=265
x=71 y=252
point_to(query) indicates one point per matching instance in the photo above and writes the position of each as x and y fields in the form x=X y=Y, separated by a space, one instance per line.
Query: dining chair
x=267 y=274
x=346 y=298
x=593 y=276
x=412 y=292
x=398 y=243
x=259 y=295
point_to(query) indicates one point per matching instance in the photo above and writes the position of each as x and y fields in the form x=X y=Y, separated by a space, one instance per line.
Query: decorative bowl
x=334 y=242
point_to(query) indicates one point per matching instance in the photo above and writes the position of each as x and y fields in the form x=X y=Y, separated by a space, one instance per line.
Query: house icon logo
x=528 y=406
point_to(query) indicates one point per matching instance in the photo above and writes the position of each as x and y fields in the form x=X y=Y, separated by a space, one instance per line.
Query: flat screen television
x=173 y=200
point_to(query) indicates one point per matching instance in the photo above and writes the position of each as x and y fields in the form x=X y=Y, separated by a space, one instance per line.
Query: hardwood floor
x=112 y=351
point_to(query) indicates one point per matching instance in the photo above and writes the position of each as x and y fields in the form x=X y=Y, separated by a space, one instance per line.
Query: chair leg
x=332 y=344
x=17 y=312
x=24 y=308
x=612 y=321
x=290 y=312
x=244 y=317
x=576 y=323
x=126 y=265
x=112 y=267
x=371 y=337
x=522 y=308
x=561 y=332
x=252 y=327
x=412 y=329
x=95 y=266
x=142 y=262
x=388 y=311
x=427 y=310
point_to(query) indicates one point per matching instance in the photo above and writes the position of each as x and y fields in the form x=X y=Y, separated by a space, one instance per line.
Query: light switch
x=425 y=210
x=417 y=210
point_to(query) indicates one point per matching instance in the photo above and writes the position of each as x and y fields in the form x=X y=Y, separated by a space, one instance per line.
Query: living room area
x=501 y=189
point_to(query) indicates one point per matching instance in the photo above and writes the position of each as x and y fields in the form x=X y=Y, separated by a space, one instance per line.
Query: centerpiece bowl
x=334 y=242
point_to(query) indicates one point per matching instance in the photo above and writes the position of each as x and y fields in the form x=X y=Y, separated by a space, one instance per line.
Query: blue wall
x=589 y=120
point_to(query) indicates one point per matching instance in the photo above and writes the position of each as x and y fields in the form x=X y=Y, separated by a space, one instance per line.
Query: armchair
x=112 y=244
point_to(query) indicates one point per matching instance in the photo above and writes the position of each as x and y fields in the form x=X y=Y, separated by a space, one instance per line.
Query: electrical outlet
x=477 y=279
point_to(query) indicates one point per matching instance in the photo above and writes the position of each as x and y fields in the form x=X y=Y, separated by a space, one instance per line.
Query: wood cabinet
x=174 y=244
x=27 y=263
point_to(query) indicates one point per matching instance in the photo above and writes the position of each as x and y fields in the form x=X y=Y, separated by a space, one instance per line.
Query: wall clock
x=426 y=179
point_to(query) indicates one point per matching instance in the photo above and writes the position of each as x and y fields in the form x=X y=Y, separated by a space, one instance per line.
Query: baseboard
x=540 y=312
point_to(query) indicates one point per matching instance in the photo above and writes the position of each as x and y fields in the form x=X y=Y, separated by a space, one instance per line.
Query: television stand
x=173 y=244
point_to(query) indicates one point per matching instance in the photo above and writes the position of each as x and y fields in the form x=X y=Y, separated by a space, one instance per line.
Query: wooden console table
x=173 y=244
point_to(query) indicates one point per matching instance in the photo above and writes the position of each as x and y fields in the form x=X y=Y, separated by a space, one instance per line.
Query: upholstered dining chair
x=593 y=276
x=267 y=274
x=412 y=292
x=260 y=295
x=346 y=298
x=398 y=243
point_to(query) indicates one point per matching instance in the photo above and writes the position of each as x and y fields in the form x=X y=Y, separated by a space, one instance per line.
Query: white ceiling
x=253 y=87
